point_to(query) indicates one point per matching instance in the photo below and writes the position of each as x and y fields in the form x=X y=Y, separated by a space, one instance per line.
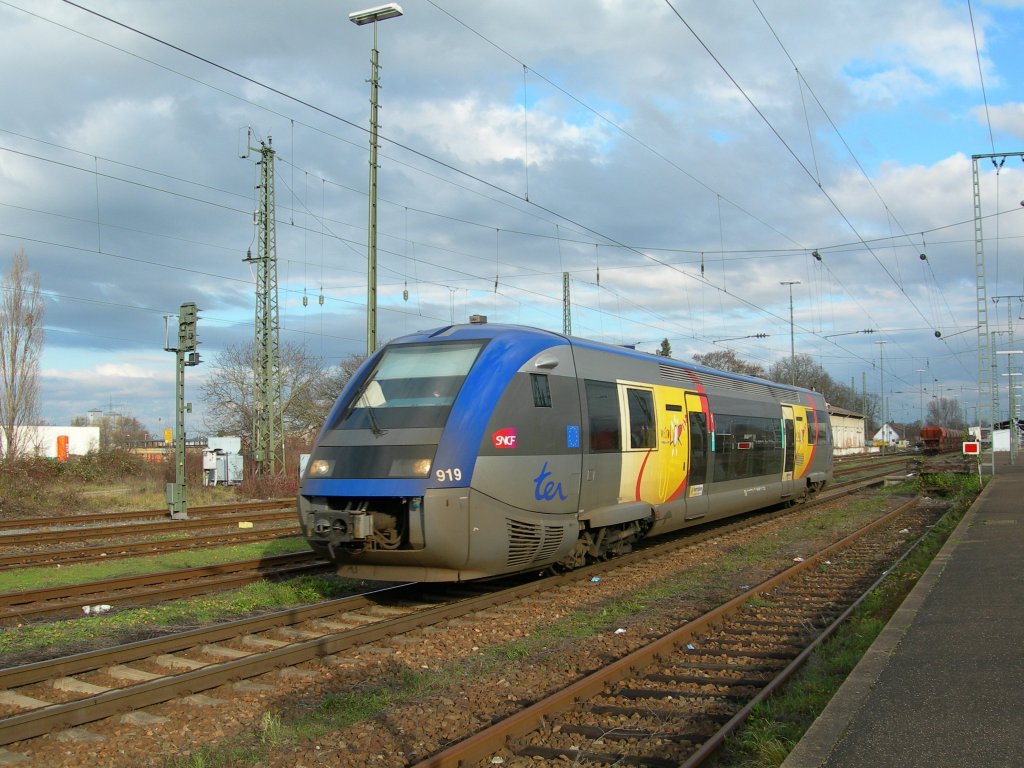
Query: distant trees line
x=941 y=412
x=309 y=387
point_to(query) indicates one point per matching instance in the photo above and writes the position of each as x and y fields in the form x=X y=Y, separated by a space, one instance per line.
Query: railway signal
x=176 y=493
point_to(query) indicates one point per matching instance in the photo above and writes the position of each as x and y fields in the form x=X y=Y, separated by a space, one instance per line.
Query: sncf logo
x=505 y=438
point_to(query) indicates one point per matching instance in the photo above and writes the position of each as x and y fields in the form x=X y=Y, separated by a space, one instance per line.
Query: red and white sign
x=744 y=446
x=972 y=448
x=505 y=438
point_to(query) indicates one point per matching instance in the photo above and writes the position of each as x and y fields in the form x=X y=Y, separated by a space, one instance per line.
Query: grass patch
x=82 y=573
x=399 y=685
x=98 y=631
x=334 y=712
x=138 y=494
x=776 y=725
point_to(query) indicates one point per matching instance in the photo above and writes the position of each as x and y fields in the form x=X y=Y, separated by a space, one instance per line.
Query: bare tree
x=945 y=412
x=726 y=360
x=308 y=391
x=21 y=347
x=117 y=430
x=311 y=410
x=804 y=371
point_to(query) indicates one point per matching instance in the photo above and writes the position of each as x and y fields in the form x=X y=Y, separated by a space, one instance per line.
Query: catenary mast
x=268 y=421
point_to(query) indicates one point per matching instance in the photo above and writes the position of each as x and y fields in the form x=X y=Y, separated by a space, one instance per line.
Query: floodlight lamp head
x=375 y=14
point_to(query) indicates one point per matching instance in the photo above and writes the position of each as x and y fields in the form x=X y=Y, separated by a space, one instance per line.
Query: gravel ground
x=443 y=683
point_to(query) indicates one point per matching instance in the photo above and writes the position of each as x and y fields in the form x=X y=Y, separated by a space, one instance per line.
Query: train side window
x=641 y=418
x=746 y=446
x=603 y=416
x=824 y=427
x=541 y=390
x=699 y=447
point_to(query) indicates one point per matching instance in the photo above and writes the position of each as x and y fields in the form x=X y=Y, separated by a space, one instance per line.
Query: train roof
x=483 y=330
x=836 y=410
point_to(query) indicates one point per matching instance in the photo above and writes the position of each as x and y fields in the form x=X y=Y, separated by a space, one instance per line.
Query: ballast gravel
x=441 y=684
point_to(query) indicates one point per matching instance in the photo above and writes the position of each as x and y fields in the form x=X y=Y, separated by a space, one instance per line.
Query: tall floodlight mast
x=360 y=18
x=268 y=420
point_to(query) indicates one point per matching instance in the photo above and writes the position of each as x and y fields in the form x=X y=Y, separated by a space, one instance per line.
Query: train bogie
x=474 y=451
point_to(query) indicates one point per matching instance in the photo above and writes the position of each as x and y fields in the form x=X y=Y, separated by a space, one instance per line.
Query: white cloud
x=703 y=174
x=480 y=132
x=1006 y=118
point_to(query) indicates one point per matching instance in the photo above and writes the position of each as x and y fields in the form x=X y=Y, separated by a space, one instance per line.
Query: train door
x=701 y=430
x=789 y=449
x=673 y=458
x=640 y=476
x=602 y=455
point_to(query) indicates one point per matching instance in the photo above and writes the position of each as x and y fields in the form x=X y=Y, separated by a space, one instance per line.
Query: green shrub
x=110 y=464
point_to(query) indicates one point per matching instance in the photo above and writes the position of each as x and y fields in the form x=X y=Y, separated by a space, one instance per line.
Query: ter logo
x=505 y=438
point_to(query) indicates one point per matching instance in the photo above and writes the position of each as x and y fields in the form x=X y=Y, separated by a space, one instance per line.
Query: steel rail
x=89 y=661
x=155 y=587
x=99 y=517
x=109 y=551
x=142 y=529
x=40 y=721
x=493 y=738
x=90 y=708
x=712 y=745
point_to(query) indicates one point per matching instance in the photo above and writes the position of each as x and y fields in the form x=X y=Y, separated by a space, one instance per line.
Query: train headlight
x=410 y=468
x=320 y=468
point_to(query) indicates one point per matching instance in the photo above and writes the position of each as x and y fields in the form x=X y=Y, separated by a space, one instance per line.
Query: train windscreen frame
x=412 y=385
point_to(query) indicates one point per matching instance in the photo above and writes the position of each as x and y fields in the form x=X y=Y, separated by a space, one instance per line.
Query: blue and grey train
x=477 y=450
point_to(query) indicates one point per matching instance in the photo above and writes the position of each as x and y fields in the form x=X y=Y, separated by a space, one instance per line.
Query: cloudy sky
x=679 y=159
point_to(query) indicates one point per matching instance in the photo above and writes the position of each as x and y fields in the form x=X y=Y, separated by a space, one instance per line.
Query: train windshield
x=413 y=385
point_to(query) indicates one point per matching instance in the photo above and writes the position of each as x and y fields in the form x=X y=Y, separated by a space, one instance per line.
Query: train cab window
x=541 y=390
x=412 y=385
x=603 y=416
x=641 y=418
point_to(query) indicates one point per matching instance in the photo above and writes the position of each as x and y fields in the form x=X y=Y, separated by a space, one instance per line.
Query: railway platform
x=943 y=684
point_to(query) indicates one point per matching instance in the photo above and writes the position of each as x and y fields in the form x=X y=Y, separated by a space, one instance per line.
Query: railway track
x=34 y=533
x=25 y=548
x=143 y=529
x=673 y=702
x=136 y=515
x=131 y=591
x=87 y=687
x=149 y=588
x=38 y=698
x=139 y=548
x=874 y=465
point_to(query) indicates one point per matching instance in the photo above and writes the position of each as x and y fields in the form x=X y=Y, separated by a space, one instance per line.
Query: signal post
x=176 y=493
